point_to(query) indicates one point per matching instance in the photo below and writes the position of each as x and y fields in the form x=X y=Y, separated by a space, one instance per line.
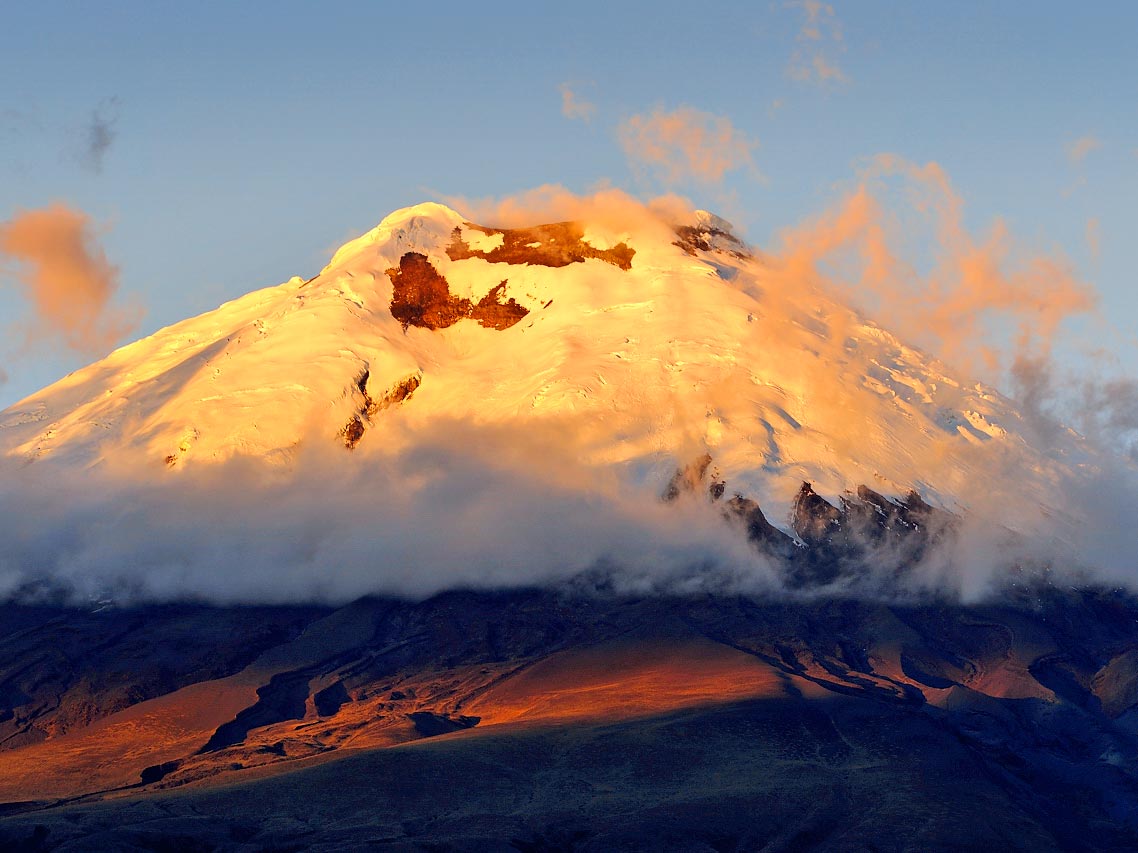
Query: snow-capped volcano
x=650 y=343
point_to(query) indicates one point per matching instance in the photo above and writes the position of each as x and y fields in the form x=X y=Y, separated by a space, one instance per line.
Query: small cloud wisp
x=53 y=254
x=574 y=107
x=818 y=39
x=686 y=145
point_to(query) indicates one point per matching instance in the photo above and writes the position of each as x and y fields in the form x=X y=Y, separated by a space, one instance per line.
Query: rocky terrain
x=574 y=719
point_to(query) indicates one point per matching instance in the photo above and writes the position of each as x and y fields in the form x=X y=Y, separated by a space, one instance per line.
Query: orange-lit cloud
x=818 y=39
x=607 y=206
x=980 y=302
x=1077 y=153
x=686 y=145
x=1078 y=150
x=517 y=510
x=573 y=106
x=53 y=254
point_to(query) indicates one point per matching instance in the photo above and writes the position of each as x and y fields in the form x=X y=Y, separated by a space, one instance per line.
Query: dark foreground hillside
x=538 y=720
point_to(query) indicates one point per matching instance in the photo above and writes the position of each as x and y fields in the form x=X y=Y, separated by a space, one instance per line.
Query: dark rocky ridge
x=706 y=238
x=396 y=395
x=833 y=542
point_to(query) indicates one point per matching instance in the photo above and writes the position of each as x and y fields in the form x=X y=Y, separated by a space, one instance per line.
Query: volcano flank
x=610 y=533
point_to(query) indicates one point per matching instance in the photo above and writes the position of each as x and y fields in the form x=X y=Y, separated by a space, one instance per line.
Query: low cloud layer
x=53 y=254
x=463 y=506
x=460 y=507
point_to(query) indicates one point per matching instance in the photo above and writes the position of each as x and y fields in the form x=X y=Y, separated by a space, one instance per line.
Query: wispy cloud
x=606 y=206
x=1078 y=150
x=573 y=106
x=686 y=145
x=1094 y=237
x=15 y=123
x=99 y=135
x=18 y=129
x=52 y=252
x=819 y=40
x=987 y=299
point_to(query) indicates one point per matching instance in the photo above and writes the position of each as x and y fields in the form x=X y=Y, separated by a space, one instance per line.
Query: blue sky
x=243 y=142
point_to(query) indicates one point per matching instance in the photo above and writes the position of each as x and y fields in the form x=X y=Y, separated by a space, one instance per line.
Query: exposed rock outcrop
x=760 y=532
x=353 y=431
x=708 y=238
x=832 y=541
x=555 y=245
x=690 y=479
x=421 y=297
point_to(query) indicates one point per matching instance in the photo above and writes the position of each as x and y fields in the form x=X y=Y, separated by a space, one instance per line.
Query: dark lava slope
x=458 y=723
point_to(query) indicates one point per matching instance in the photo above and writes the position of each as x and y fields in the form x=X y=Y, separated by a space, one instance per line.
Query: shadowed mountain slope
x=563 y=720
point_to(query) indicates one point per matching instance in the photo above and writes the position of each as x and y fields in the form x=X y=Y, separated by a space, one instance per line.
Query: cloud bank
x=464 y=506
x=460 y=507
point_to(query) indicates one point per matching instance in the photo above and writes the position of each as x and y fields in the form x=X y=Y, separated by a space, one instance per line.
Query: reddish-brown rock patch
x=555 y=245
x=422 y=297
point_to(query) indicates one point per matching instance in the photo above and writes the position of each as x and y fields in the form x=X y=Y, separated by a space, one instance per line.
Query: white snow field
x=630 y=372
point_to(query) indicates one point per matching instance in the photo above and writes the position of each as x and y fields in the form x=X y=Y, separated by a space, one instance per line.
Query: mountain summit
x=650 y=343
x=573 y=536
